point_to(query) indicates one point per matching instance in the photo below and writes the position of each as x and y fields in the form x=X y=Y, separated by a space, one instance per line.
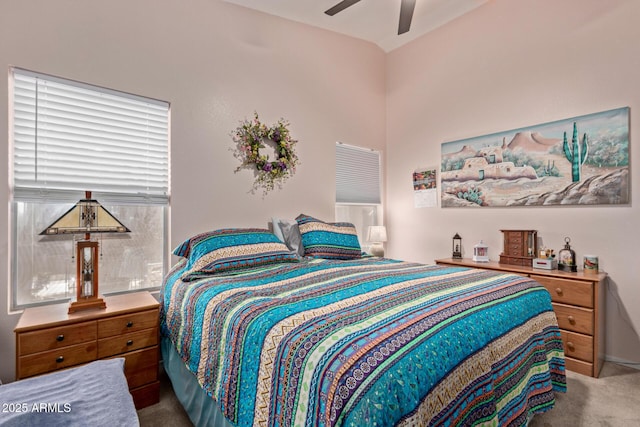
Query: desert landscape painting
x=578 y=161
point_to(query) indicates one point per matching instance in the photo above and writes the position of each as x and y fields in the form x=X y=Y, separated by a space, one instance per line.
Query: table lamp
x=85 y=217
x=377 y=235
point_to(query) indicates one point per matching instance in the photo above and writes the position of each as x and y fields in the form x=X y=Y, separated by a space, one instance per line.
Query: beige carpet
x=613 y=400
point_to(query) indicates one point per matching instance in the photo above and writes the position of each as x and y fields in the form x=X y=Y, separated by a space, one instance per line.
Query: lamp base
x=86 y=304
x=377 y=249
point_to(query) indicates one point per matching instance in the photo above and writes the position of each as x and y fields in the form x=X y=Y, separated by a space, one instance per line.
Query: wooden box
x=520 y=247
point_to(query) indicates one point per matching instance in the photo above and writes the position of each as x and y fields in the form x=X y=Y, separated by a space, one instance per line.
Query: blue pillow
x=230 y=249
x=337 y=240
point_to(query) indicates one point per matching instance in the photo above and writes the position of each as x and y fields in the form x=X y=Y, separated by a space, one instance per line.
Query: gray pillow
x=287 y=230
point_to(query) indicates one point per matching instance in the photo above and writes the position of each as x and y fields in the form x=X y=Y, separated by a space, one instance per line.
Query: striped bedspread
x=368 y=342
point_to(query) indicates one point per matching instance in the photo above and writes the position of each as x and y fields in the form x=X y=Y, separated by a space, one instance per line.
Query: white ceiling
x=372 y=20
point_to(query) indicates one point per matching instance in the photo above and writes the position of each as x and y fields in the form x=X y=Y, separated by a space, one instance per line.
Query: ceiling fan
x=406 y=12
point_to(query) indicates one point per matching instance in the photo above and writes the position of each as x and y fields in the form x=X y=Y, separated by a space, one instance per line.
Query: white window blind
x=66 y=138
x=74 y=136
x=357 y=175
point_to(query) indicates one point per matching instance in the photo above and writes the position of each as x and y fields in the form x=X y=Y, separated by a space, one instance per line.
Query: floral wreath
x=250 y=137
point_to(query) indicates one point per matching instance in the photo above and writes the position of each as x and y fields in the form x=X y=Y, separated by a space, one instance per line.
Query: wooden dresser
x=48 y=339
x=579 y=304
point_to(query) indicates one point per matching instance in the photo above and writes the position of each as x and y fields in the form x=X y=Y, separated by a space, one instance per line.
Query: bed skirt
x=201 y=408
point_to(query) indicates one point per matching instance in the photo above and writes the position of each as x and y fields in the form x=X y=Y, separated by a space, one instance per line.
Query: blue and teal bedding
x=367 y=342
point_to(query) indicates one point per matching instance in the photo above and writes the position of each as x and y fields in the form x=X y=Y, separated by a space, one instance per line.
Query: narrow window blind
x=357 y=175
x=74 y=136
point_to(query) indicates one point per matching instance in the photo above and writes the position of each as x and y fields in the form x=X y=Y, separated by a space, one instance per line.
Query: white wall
x=216 y=63
x=506 y=65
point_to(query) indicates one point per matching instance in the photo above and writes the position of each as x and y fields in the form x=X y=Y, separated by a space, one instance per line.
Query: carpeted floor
x=613 y=400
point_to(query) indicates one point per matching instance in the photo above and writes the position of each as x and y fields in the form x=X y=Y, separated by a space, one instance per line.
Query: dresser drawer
x=47 y=361
x=579 y=366
x=576 y=319
x=578 y=346
x=127 y=342
x=53 y=338
x=568 y=291
x=127 y=323
x=141 y=367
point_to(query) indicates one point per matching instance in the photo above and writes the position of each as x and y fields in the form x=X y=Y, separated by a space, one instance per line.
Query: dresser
x=579 y=304
x=48 y=338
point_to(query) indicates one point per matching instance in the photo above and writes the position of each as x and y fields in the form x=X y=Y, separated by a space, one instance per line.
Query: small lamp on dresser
x=377 y=235
x=457 y=247
x=481 y=252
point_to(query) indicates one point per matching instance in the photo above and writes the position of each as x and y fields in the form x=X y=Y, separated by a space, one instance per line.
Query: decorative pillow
x=230 y=249
x=337 y=240
x=287 y=231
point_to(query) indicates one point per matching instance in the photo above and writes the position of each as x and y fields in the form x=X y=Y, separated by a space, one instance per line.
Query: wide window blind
x=357 y=175
x=74 y=136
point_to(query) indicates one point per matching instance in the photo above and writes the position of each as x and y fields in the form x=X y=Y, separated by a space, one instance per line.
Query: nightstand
x=48 y=338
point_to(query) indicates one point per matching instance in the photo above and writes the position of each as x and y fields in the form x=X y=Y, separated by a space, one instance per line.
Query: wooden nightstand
x=48 y=339
x=578 y=302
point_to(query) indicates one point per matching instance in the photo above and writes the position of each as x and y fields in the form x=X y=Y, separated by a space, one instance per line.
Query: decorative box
x=545 y=263
x=520 y=247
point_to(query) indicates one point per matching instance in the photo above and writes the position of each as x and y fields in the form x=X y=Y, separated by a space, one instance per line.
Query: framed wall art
x=578 y=161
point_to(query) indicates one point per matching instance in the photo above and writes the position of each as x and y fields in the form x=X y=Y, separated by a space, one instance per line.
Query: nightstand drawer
x=127 y=323
x=568 y=291
x=578 y=346
x=576 y=319
x=40 y=363
x=141 y=367
x=127 y=342
x=53 y=338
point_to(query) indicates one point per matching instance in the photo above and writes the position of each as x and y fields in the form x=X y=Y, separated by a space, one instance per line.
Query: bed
x=255 y=334
x=95 y=394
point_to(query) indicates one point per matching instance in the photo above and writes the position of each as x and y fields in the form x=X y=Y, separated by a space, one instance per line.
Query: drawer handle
x=130 y=342
x=59 y=359
x=572 y=320
x=129 y=324
x=559 y=291
x=570 y=346
x=60 y=337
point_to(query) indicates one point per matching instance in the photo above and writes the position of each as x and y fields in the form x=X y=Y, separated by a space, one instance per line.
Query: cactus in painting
x=549 y=169
x=577 y=154
x=473 y=195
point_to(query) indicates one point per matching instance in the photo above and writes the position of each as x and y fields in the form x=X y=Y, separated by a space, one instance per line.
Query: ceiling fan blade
x=406 y=13
x=340 y=7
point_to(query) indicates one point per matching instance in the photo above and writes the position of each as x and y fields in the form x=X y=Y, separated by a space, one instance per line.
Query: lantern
x=567 y=257
x=481 y=252
x=457 y=247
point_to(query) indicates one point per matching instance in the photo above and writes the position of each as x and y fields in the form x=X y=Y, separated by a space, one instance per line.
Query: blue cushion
x=337 y=240
x=230 y=249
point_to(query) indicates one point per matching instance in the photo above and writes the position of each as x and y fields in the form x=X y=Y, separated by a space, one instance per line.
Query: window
x=358 y=182
x=66 y=138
